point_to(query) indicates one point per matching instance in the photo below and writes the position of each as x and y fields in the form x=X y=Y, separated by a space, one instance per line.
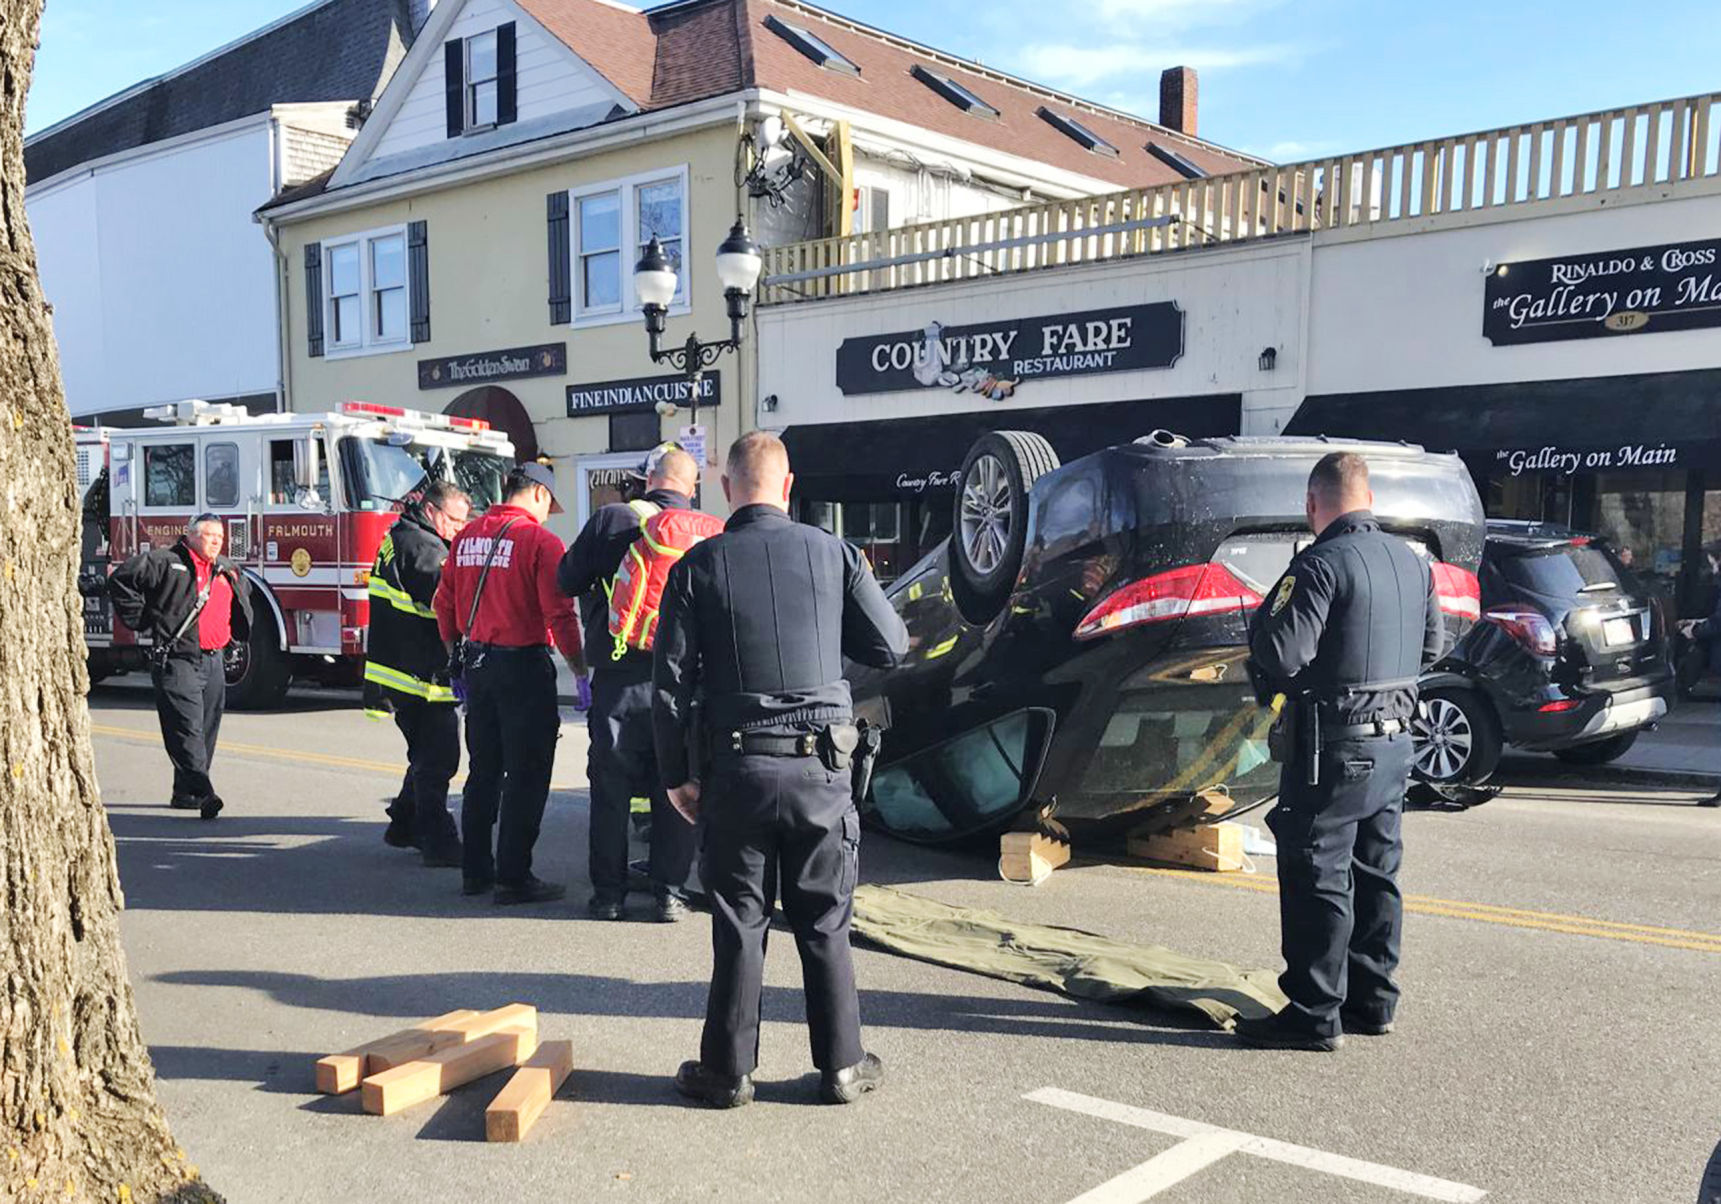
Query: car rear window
x=1561 y=570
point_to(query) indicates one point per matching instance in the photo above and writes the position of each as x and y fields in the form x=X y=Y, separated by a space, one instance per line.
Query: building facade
x=473 y=252
x=1543 y=299
x=162 y=286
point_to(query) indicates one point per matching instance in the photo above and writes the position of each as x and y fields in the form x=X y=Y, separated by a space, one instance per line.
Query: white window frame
x=628 y=189
x=367 y=342
x=469 y=85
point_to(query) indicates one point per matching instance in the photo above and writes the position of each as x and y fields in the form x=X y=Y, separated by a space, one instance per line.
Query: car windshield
x=1560 y=571
x=384 y=473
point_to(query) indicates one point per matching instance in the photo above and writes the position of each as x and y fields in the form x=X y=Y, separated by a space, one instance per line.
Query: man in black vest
x=621 y=763
x=192 y=602
x=755 y=624
x=1343 y=636
x=406 y=670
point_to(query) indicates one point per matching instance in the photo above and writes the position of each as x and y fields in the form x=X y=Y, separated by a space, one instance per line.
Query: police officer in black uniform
x=1343 y=636
x=754 y=627
x=621 y=763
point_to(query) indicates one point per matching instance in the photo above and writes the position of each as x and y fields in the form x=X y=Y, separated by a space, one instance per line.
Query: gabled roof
x=700 y=48
x=329 y=51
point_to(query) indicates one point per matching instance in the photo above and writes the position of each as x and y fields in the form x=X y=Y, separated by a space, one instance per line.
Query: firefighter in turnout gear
x=616 y=568
x=1343 y=635
x=406 y=670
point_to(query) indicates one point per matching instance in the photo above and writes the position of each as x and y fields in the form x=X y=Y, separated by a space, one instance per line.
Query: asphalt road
x=1558 y=1039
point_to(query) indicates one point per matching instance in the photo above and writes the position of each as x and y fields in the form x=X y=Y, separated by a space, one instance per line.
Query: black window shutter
x=454 y=83
x=561 y=290
x=314 y=296
x=505 y=90
x=418 y=279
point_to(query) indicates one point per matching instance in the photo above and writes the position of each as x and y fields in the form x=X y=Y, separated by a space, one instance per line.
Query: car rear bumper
x=1602 y=714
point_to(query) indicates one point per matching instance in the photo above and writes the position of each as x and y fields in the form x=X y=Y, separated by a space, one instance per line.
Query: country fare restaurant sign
x=993 y=358
x=1645 y=289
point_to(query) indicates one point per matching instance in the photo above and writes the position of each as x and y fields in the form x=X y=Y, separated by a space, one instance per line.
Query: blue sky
x=1282 y=78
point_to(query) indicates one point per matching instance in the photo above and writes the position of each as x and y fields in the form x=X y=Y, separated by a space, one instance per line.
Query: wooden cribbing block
x=529 y=1092
x=340 y=1073
x=468 y=1028
x=1030 y=856
x=389 y=1092
x=1208 y=847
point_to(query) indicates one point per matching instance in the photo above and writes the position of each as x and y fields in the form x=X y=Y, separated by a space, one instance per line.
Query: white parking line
x=1205 y=1144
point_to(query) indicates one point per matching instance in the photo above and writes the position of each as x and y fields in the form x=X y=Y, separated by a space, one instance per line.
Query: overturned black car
x=1077 y=644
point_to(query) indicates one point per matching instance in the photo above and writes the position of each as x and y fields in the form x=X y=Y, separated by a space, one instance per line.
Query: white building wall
x=1406 y=312
x=1236 y=302
x=162 y=285
x=549 y=79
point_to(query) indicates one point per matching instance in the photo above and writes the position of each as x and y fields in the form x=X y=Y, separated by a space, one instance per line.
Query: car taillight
x=1529 y=627
x=1458 y=590
x=1196 y=589
x=1560 y=707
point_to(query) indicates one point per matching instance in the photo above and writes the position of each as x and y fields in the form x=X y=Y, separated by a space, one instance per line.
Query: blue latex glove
x=582 y=692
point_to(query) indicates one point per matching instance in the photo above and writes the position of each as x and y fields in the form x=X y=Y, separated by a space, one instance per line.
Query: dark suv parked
x=1078 y=641
x=1571 y=658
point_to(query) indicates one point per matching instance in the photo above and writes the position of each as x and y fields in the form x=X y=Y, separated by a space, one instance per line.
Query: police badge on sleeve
x=1283 y=595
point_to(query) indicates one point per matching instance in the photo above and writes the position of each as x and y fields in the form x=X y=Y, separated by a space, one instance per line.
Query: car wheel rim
x=985 y=514
x=1444 y=739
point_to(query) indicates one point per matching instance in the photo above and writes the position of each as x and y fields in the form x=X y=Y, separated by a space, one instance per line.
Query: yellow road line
x=1489 y=913
x=382 y=768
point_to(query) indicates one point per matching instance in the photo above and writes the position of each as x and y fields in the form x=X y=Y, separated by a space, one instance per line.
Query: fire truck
x=307 y=499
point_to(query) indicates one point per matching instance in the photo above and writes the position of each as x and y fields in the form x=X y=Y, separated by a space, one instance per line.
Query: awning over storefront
x=877 y=461
x=1665 y=420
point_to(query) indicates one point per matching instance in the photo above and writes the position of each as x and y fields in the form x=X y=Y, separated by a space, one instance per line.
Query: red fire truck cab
x=307 y=499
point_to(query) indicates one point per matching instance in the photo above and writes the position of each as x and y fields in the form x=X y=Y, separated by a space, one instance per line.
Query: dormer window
x=1079 y=132
x=1178 y=163
x=479 y=78
x=957 y=94
x=811 y=45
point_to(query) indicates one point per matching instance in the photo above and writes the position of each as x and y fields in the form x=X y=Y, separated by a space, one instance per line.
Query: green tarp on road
x=1068 y=960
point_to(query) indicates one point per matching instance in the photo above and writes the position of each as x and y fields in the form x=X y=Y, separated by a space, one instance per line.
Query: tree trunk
x=77 y=1092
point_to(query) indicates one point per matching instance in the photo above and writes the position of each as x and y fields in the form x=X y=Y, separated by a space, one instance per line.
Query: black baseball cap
x=540 y=474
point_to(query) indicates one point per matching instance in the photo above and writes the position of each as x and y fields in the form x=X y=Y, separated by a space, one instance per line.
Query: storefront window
x=1642 y=514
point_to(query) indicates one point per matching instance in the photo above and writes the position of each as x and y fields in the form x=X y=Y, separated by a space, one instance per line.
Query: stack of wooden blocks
x=433 y=1058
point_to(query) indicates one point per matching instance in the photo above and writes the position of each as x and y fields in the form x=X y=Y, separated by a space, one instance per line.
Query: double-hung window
x=365 y=306
x=481 y=80
x=612 y=223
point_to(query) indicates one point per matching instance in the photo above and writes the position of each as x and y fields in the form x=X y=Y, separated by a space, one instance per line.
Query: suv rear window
x=1560 y=571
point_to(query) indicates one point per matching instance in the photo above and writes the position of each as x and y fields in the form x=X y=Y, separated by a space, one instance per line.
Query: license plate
x=1619 y=631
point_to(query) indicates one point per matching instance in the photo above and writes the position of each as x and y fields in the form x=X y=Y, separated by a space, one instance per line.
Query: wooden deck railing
x=1621 y=150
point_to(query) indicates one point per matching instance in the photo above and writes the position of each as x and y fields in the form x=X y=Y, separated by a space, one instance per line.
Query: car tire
x=1457 y=735
x=1599 y=752
x=989 y=522
x=257 y=669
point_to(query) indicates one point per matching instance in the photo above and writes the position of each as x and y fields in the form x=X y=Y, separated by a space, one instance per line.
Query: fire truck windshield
x=381 y=474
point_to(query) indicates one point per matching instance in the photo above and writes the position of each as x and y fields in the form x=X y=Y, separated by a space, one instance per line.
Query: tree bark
x=77 y=1091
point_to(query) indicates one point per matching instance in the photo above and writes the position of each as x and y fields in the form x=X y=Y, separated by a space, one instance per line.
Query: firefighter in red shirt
x=498 y=597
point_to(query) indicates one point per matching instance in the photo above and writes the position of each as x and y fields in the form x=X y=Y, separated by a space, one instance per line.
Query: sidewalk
x=1688 y=740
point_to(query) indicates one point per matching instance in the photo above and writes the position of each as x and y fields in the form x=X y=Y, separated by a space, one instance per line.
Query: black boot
x=1269 y=1032
x=712 y=1089
x=532 y=890
x=847 y=1085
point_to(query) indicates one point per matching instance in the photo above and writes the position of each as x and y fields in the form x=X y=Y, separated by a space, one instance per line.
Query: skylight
x=1176 y=162
x=955 y=93
x=810 y=45
x=1080 y=132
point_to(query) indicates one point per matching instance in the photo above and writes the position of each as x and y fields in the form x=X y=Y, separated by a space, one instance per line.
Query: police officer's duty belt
x=1357 y=731
x=762 y=745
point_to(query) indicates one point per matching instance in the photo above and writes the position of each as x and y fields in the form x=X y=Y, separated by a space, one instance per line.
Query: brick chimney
x=1177 y=95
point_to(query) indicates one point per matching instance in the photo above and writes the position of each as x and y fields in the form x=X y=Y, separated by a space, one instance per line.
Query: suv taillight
x=1459 y=592
x=1196 y=589
x=1529 y=627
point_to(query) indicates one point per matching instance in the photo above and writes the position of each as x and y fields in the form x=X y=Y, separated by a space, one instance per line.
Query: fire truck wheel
x=257 y=670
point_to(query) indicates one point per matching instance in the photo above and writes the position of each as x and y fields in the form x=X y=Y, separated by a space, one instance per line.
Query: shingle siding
x=309 y=153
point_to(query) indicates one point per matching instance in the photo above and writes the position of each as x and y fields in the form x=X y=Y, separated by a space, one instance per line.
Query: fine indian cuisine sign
x=1604 y=294
x=994 y=359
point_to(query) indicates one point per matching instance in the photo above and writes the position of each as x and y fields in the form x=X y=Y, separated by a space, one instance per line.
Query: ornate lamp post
x=655 y=283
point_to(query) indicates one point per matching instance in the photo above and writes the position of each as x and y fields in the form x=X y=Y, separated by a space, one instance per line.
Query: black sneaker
x=210 y=807
x=712 y=1089
x=532 y=890
x=604 y=907
x=671 y=909
x=477 y=886
x=1269 y=1033
x=1357 y=1024
x=847 y=1085
x=184 y=802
